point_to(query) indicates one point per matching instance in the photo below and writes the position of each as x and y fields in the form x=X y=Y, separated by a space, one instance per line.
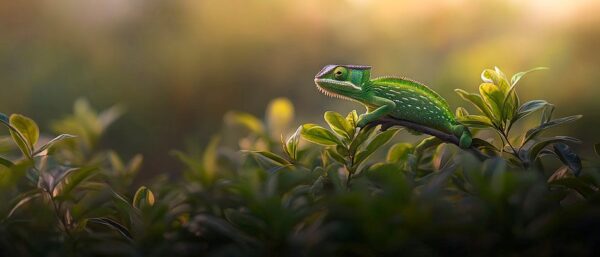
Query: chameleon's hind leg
x=464 y=136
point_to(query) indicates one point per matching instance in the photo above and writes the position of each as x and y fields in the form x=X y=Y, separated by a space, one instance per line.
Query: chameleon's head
x=343 y=81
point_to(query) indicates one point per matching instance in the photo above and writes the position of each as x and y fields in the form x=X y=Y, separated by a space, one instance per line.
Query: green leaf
x=494 y=99
x=272 y=157
x=6 y=163
x=319 y=135
x=547 y=114
x=482 y=144
x=399 y=152
x=461 y=112
x=363 y=135
x=477 y=121
x=352 y=118
x=553 y=123
x=23 y=199
x=529 y=107
x=515 y=78
x=244 y=220
x=568 y=157
x=497 y=78
x=476 y=100
x=209 y=159
x=71 y=181
x=339 y=124
x=52 y=142
x=336 y=156
x=143 y=197
x=576 y=184
x=378 y=141
x=291 y=145
x=3 y=118
x=113 y=225
x=24 y=132
x=536 y=148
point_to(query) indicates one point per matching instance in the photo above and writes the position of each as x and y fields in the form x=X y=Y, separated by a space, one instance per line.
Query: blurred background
x=178 y=66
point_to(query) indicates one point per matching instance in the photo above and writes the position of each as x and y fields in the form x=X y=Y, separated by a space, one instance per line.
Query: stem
x=58 y=216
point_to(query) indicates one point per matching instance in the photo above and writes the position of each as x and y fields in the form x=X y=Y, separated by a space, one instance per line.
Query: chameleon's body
x=399 y=98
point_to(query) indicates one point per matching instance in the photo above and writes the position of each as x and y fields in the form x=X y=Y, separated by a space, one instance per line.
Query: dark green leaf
x=379 y=140
x=547 y=113
x=113 y=225
x=336 y=156
x=23 y=199
x=75 y=178
x=535 y=149
x=597 y=149
x=576 y=184
x=482 y=144
x=6 y=163
x=553 y=123
x=529 y=107
x=568 y=157
x=4 y=118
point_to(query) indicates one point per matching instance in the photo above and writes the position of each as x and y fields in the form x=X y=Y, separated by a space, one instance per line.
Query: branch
x=388 y=121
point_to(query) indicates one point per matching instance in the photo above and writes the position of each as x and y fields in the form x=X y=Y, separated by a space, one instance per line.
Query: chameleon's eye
x=340 y=73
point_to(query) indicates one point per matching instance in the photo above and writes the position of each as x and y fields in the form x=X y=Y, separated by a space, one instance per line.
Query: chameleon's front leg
x=385 y=107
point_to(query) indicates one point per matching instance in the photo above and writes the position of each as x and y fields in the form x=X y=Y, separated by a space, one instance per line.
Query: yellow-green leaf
x=319 y=135
x=399 y=152
x=476 y=100
x=476 y=121
x=493 y=98
x=26 y=133
x=497 y=78
x=338 y=124
x=143 y=197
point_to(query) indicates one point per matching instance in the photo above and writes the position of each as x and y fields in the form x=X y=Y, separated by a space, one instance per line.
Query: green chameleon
x=399 y=98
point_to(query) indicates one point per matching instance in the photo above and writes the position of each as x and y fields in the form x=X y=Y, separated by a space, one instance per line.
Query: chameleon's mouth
x=330 y=93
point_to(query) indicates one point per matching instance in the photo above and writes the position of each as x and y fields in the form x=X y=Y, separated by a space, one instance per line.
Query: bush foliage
x=336 y=191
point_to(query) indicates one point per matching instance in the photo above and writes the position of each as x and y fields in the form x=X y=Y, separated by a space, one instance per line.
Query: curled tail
x=463 y=134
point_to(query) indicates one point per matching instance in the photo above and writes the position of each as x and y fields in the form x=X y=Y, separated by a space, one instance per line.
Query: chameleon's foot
x=464 y=136
x=465 y=140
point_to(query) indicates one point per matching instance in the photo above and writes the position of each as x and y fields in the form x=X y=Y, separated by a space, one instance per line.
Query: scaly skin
x=397 y=97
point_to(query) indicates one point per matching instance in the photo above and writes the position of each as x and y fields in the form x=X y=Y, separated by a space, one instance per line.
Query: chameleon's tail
x=464 y=136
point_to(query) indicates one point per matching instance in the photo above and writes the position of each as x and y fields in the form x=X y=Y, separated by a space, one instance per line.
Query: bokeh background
x=178 y=66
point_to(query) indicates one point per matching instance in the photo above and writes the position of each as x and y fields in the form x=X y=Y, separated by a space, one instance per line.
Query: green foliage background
x=342 y=191
x=184 y=160
x=178 y=66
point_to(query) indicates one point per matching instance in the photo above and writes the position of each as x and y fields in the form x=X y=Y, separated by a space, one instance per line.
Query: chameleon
x=400 y=98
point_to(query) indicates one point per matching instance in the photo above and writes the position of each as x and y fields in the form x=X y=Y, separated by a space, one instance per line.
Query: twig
x=388 y=121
